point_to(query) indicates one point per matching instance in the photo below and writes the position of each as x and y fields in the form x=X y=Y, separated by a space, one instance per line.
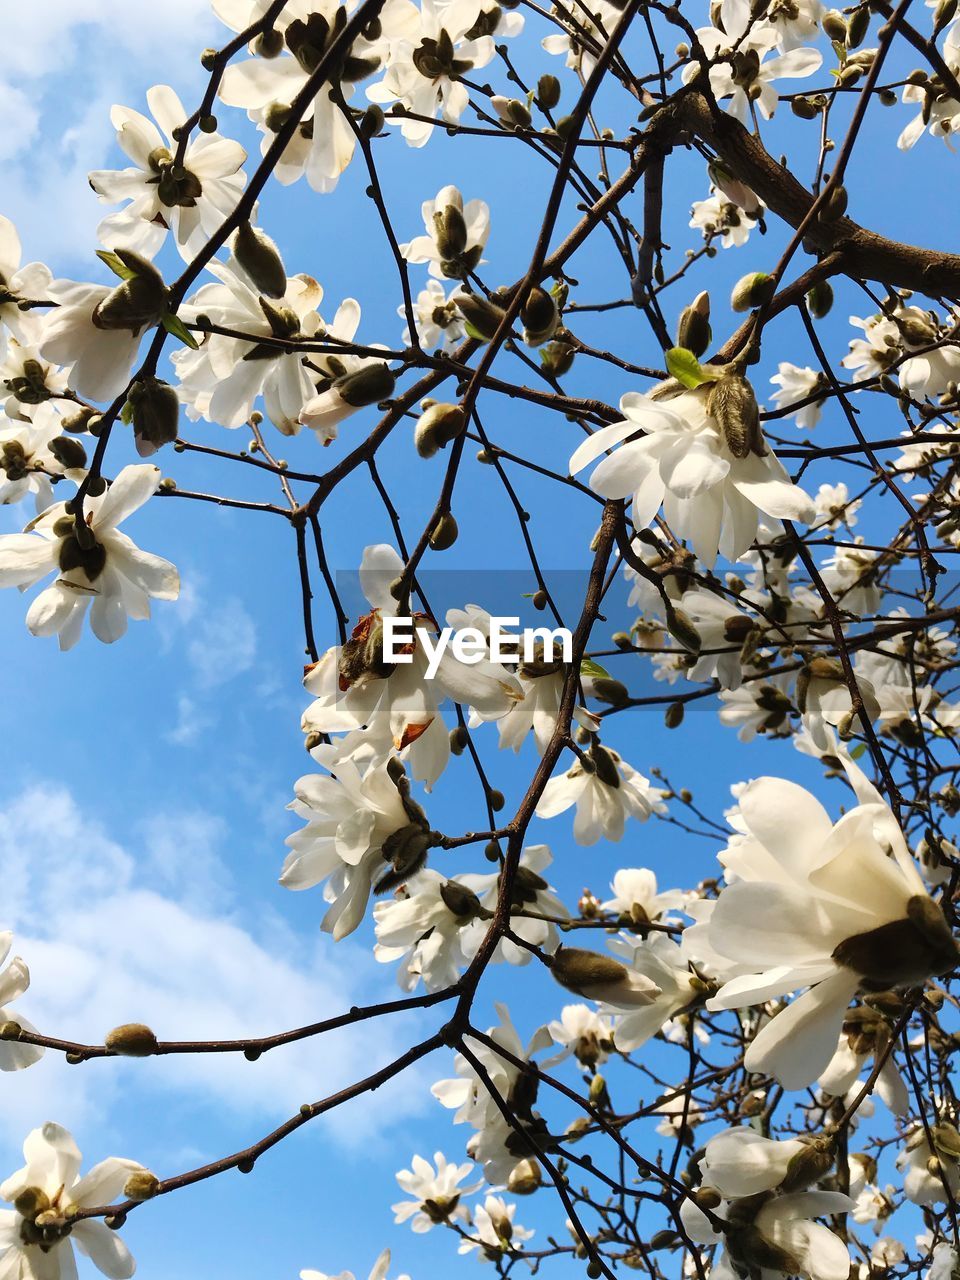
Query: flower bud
x=450 y=229
x=809 y=1165
x=524 y=1178
x=483 y=318
x=539 y=316
x=511 y=111
x=673 y=717
x=31 y=1202
x=68 y=452
x=460 y=901
x=79 y=422
x=804 y=107
x=733 y=404
x=260 y=259
x=371 y=122
x=857 y=25
x=693 y=328
x=580 y=971
x=820 y=299
x=131 y=1040
x=141 y=1185
x=835 y=205
x=155 y=414
x=437 y=427
x=548 y=92
x=610 y=691
x=680 y=625
x=557 y=358
x=444 y=533
x=136 y=302
x=834 y=25
x=754 y=290
x=369 y=385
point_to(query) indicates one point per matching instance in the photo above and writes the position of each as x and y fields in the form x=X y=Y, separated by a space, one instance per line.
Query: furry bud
x=131 y=1040
x=369 y=385
x=820 y=299
x=436 y=427
x=754 y=290
x=693 y=329
x=142 y=1185
x=733 y=404
x=260 y=259
x=444 y=533
x=483 y=318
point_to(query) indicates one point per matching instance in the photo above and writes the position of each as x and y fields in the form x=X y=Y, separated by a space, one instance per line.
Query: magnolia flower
x=760 y=706
x=28 y=283
x=823 y=906
x=851 y=579
x=97 y=332
x=495 y=1230
x=581 y=1031
x=439 y=323
x=430 y=927
x=779 y=1238
x=939 y=112
x=265 y=87
x=368 y=382
x=842 y=1072
x=739 y=70
x=797 y=383
x=824 y=697
x=353 y=822
x=424 y=69
x=659 y=960
x=31 y=380
x=834 y=506
x=467 y=1094
x=455 y=235
x=596 y=25
x=104 y=570
x=436 y=1193
x=223 y=379
x=36 y=1237
x=741 y=1162
x=604 y=798
x=379 y=1272
x=931 y=1175
x=14 y=980
x=531 y=893
x=723 y=630
x=635 y=895
x=27 y=464
x=683 y=462
x=719 y=216
x=397 y=705
x=191 y=198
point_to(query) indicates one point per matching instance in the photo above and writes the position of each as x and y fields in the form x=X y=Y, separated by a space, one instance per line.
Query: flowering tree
x=724 y=1074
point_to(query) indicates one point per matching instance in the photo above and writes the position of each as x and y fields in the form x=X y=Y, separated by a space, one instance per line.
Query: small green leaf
x=126 y=414
x=593 y=669
x=177 y=329
x=474 y=333
x=116 y=266
x=686 y=368
x=858 y=750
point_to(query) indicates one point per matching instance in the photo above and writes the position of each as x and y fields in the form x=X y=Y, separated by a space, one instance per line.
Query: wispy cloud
x=111 y=936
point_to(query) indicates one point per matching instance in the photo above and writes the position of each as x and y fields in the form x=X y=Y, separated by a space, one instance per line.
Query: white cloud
x=223 y=642
x=65 y=63
x=113 y=937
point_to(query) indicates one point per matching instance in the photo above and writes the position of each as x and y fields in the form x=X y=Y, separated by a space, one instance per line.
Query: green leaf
x=593 y=669
x=116 y=266
x=858 y=750
x=686 y=368
x=126 y=414
x=177 y=329
x=474 y=333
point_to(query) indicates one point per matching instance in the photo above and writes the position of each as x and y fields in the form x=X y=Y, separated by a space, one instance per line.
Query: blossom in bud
x=512 y=111
x=835 y=204
x=141 y=1185
x=851 y=914
x=834 y=24
x=155 y=414
x=737 y=192
x=540 y=317
x=482 y=316
x=600 y=977
x=367 y=385
x=557 y=357
x=753 y=290
x=445 y=533
x=437 y=427
x=131 y=1040
x=260 y=258
x=681 y=627
x=14 y=981
x=524 y=1178
x=138 y=301
x=693 y=328
x=732 y=403
x=548 y=92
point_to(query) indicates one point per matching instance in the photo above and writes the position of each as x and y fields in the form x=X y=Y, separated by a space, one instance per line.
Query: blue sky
x=142 y=806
